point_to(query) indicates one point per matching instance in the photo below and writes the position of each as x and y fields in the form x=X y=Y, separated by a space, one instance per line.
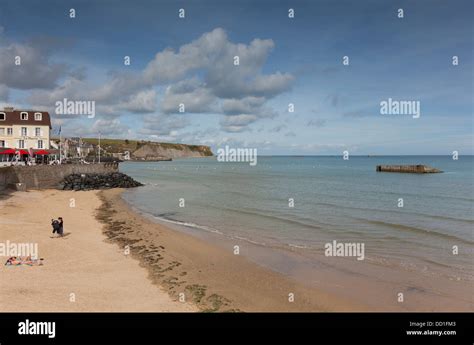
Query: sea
x=421 y=223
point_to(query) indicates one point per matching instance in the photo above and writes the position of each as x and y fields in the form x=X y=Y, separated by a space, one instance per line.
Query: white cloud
x=36 y=69
x=238 y=106
x=237 y=123
x=142 y=102
x=111 y=127
x=201 y=75
x=162 y=125
x=195 y=97
x=170 y=66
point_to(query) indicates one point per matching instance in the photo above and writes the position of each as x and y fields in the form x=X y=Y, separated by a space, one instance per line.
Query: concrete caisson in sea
x=414 y=169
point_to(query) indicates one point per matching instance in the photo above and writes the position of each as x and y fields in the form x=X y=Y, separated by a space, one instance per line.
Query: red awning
x=41 y=152
x=14 y=152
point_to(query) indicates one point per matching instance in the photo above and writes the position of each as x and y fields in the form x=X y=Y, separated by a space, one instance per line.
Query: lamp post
x=99 y=147
x=60 y=147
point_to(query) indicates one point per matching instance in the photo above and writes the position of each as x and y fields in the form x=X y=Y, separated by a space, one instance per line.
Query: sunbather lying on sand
x=26 y=260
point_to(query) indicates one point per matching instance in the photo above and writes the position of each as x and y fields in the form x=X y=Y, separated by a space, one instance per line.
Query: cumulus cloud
x=71 y=88
x=36 y=70
x=194 y=97
x=238 y=123
x=74 y=89
x=112 y=127
x=238 y=106
x=162 y=125
x=213 y=55
x=142 y=102
x=217 y=85
x=230 y=81
x=201 y=75
x=107 y=127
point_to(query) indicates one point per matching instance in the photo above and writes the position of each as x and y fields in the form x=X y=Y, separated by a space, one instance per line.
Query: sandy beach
x=81 y=272
x=113 y=258
x=88 y=269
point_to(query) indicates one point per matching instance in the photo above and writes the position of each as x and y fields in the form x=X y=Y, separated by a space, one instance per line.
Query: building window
x=40 y=144
x=2 y=143
x=21 y=144
x=2 y=131
x=9 y=131
x=24 y=131
x=38 y=116
x=24 y=115
x=37 y=131
x=3 y=116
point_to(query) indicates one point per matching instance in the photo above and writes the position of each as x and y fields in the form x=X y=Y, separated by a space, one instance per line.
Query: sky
x=282 y=61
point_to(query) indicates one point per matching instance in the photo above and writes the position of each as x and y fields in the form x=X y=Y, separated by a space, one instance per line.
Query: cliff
x=149 y=150
x=159 y=151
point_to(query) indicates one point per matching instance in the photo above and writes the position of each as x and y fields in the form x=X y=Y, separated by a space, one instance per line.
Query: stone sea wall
x=48 y=176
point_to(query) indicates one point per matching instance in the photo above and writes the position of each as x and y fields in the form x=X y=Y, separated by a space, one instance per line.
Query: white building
x=24 y=129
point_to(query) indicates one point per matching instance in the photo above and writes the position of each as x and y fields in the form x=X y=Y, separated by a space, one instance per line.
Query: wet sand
x=212 y=277
x=200 y=264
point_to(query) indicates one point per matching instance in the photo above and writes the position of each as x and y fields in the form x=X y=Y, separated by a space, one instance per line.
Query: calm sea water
x=334 y=199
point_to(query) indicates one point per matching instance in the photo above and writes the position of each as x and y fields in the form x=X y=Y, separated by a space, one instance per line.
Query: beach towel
x=27 y=260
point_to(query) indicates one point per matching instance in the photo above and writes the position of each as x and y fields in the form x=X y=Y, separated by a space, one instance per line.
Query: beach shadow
x=63 y=236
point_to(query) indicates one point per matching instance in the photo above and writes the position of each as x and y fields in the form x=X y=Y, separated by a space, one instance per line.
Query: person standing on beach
x=61 y=226
x=55 y=225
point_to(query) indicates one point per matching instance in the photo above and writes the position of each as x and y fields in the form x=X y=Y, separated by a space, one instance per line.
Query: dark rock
x=97 y=181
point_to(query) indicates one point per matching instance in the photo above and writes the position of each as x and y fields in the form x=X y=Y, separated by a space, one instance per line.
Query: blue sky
x=283 y=61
